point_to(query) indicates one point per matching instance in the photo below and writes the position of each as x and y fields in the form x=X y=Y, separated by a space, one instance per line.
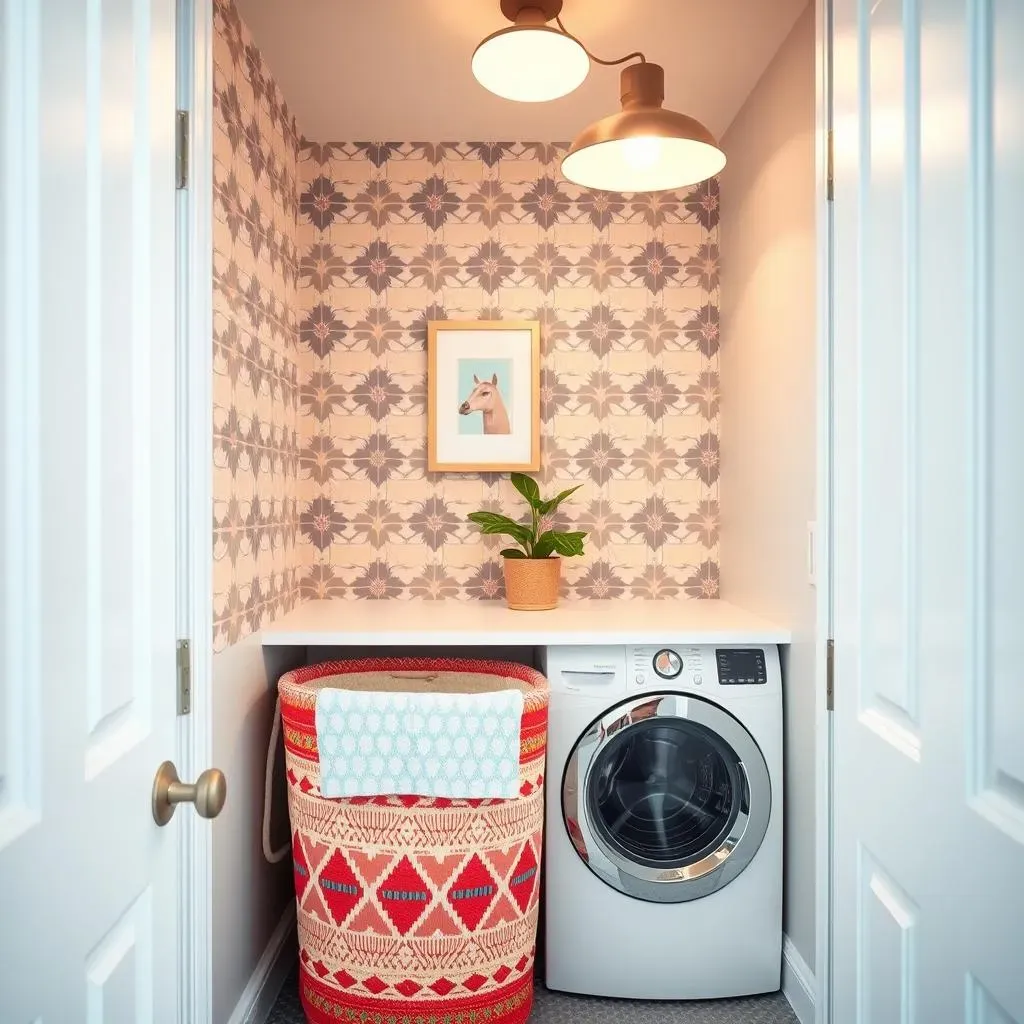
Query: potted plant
x=532 y=570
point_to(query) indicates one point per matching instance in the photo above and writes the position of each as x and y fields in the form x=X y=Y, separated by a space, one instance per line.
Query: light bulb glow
x=642 y=151
x=613 y=166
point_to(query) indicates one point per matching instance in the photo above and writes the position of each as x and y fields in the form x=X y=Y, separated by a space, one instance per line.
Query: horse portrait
x=486 y=398
x=483 y=396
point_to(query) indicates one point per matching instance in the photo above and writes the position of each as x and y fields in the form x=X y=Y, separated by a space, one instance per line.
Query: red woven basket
x=415 y=910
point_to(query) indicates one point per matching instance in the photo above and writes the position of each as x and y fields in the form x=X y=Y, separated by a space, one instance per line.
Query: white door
x=88 y=882
x=928 y=893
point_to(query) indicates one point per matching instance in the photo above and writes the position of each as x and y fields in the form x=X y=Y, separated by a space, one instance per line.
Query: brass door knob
x=208 y=793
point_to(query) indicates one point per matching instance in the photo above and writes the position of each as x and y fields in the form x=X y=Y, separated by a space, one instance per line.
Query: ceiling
x=399 y=69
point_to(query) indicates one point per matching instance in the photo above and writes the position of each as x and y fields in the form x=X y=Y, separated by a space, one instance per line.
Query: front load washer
x=663 y=859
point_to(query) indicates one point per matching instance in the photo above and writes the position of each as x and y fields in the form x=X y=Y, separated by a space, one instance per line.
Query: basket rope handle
x=278 y=855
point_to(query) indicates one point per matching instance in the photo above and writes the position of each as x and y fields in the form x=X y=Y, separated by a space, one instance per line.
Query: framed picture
x=483 y=396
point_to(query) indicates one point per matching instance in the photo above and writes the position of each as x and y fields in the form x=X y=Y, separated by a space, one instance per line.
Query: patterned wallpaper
x=393 y=234
x=329 y=259
x=256 y=353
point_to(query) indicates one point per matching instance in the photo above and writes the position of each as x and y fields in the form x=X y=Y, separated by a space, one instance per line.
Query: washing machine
x=663 y=859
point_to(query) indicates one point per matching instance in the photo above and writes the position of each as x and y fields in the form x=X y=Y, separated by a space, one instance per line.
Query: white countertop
x=490 y=623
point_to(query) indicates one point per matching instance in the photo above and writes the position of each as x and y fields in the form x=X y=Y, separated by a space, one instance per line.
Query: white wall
x=769 y=420
x=249 y=896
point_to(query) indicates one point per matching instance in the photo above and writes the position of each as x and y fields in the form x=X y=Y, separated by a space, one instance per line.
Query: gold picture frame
x=490 y=368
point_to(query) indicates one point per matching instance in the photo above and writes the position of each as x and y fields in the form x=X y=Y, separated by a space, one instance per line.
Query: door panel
x=929 y=496
x=887 y=353
x=998 y=700
x=887 y=937
x=982 y=1008
x=88 y=504
x=19 y=690
x=119 y=970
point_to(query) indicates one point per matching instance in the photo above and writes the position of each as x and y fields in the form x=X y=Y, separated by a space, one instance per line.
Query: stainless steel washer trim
x=736 y=849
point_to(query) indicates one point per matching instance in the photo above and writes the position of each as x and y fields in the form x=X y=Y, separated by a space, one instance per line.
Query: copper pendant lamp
x=530 y=61
x=643 y=148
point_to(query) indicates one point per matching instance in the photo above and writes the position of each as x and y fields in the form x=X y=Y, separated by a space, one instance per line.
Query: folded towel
x=419 y=744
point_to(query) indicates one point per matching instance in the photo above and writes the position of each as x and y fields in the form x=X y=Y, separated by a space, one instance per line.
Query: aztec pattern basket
x=415 y=910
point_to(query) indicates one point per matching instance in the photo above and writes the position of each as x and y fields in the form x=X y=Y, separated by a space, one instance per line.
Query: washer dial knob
x=668 y=664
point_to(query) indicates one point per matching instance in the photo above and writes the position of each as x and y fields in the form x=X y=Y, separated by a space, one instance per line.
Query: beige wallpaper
x=393 y=234
x=256 y=358
x=329 y=260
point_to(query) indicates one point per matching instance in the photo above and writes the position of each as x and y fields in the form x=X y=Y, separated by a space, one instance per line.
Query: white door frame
x=195 y=332
x=824 y=540
x=194 y=495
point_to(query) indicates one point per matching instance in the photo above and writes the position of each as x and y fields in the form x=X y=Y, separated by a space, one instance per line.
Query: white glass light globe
x=530 y=63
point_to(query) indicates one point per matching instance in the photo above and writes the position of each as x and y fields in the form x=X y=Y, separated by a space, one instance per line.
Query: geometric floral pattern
x=417 y=907
x=330 y=258
x=393 y=234
x=255 y=340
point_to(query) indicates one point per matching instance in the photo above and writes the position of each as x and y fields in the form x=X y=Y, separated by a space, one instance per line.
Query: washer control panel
x=612 y=672
x=669 y=666
x=741 y=666
x=700 y=667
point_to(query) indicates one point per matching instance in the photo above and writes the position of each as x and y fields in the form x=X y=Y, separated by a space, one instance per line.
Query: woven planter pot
x=531 y=584
x=413 y=909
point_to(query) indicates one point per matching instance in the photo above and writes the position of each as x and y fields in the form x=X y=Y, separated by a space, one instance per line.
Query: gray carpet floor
x=558 y=1008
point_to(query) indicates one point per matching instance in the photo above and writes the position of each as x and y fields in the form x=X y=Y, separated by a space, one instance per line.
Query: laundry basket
x=412 y=909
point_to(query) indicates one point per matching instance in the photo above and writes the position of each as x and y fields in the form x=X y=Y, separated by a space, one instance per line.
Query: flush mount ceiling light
x=643 y=148
x=530 y=61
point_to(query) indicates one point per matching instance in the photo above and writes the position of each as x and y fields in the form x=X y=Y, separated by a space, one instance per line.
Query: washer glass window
x=666 y=797
x=664 y=792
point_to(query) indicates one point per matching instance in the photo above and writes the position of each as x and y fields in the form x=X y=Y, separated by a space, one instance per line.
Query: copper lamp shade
x=643 y=148
x=530 y=61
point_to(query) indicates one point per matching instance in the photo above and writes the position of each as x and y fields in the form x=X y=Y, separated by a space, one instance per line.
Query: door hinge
x=830 y=167
x=830 y=674
x=181 y=149
x=184 y=678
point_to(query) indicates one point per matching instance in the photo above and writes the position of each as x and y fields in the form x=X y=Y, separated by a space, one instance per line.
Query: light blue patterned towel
x=424 y=744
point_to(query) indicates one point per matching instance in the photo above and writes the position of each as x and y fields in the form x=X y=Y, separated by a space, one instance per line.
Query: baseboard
x=797 y=982
x=264 y=986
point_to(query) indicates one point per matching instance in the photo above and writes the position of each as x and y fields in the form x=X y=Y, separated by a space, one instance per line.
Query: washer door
x=666 y=797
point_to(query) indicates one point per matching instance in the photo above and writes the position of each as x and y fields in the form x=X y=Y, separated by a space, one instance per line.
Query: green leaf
x=545 y=546
x=569 y=543
x=527 y=487
x=564 y=543
x=552 y=503
x=493 y=523
x=512 y=553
